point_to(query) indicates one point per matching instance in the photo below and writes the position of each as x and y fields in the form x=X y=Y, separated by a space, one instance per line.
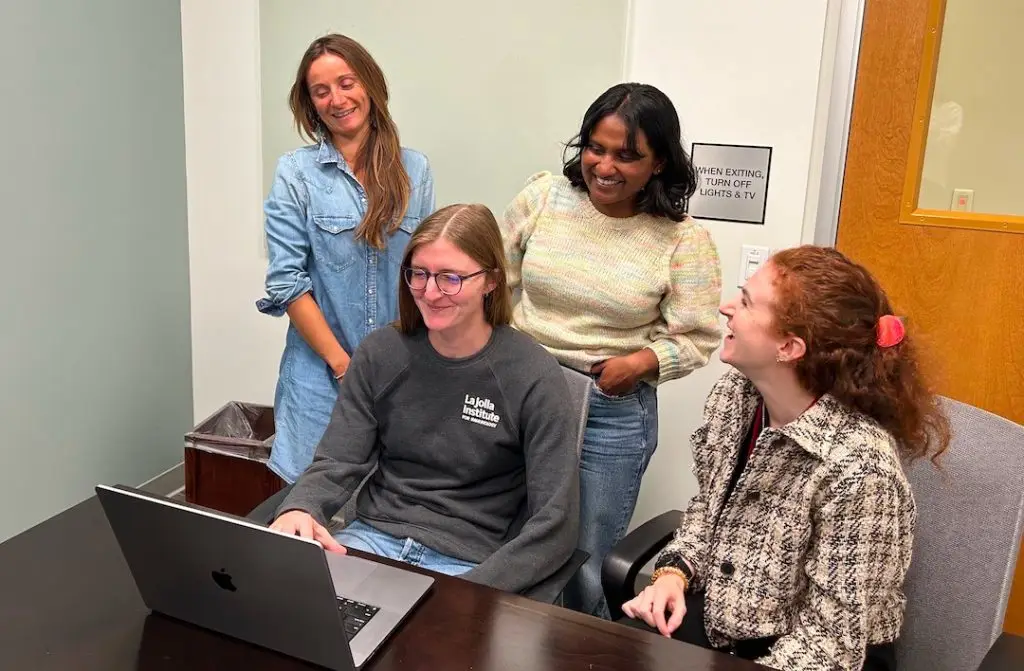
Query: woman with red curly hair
x=794 y=550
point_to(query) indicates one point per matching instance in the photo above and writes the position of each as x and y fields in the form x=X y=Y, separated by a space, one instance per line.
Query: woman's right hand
x=668 y=593
x=299 y=523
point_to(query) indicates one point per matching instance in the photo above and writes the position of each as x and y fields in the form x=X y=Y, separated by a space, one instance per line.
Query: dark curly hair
x=645 y=108
x=834 y=304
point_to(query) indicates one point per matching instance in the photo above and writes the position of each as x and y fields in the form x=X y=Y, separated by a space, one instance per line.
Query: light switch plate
x=752 y=257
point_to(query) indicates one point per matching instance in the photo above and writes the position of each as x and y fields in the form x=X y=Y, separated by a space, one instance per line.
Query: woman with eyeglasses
x=617 y=282
x=466 y=421
x=338 y=217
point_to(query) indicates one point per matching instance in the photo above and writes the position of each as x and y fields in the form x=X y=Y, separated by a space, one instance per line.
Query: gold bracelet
x=670 y=570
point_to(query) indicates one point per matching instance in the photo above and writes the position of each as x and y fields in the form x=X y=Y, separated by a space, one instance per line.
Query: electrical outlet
x=963 y=200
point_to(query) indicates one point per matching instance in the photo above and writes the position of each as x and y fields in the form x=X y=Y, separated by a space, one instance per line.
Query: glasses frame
x=407 y=270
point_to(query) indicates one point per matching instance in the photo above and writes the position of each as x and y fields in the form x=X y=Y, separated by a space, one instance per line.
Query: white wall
x=235 y=349
x=739 y=72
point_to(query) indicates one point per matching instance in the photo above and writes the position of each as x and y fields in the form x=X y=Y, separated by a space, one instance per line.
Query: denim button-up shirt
x=312 y=211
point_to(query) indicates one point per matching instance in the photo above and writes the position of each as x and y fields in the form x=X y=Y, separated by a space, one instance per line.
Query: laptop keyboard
x=355 y=615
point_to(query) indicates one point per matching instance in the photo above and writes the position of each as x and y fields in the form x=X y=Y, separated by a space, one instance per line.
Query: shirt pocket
x=334 y=244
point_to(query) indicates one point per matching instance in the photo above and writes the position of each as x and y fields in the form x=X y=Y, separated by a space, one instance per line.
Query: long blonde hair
x=380 y=158
x=473 y=229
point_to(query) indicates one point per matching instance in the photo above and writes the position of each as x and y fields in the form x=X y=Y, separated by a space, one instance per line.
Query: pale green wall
x=489 y=105
x=95 y=357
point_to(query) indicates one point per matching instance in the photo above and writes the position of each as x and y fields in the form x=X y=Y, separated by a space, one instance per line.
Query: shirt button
x=370 y=291
x=370 y=322
x=727 y=568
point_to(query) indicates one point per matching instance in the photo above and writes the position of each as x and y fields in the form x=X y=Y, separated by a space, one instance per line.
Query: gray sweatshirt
x=476 y=457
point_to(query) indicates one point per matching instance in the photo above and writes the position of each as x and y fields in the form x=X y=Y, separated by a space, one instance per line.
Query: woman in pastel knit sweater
x=617 y=282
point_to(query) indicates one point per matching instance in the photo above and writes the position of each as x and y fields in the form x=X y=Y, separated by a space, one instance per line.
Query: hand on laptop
x=302 y=524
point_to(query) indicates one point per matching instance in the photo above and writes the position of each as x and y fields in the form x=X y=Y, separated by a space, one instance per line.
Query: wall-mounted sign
x=732 y=182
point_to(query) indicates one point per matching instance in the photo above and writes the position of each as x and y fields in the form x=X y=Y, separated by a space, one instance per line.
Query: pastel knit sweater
x=594 y=286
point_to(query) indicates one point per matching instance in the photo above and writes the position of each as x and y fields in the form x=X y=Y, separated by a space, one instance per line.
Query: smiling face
x=753 y=344
x=615 y=174
x=340 y=99
x=460 y=314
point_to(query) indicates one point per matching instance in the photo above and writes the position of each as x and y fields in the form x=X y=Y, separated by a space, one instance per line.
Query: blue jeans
x=361 y=536
x=620 y=438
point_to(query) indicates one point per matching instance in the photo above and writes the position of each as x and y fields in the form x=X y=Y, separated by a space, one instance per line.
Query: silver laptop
x=242 y=579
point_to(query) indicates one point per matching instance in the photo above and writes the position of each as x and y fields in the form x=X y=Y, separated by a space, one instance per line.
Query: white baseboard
x=168 y=483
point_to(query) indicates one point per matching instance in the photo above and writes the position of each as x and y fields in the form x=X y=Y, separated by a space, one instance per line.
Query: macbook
x=244 y=580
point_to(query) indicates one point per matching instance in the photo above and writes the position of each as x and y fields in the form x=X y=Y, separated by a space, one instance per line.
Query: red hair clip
x=890 y=331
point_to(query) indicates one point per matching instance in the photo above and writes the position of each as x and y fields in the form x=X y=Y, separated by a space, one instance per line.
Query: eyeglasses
x=447 y=283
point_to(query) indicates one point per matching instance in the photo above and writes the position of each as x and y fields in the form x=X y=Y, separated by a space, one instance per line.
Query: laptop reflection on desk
x=244 y=580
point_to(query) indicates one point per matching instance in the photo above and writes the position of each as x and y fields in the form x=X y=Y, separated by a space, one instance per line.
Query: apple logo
x=223 y=580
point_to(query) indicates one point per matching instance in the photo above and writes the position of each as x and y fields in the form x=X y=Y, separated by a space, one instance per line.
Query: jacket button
x=754 y=497
x=727 y=568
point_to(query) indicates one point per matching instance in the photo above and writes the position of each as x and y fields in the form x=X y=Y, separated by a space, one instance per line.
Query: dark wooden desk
x=67 y=601
x=1006 y=654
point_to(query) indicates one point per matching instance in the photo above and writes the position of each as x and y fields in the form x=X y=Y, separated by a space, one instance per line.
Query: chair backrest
x=579 y=394
x=966 y=542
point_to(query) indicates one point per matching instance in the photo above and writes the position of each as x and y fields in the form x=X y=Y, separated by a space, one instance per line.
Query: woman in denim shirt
x=338 y=218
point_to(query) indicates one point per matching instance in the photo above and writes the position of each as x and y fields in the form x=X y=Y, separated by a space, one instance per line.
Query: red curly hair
x=834 y=304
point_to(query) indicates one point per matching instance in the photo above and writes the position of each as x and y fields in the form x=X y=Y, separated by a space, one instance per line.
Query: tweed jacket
x=813 y=544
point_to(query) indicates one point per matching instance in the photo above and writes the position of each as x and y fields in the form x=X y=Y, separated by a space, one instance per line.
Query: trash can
x=226 y=459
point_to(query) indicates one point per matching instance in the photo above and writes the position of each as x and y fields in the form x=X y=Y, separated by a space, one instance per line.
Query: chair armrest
x=264 y=512
x=629 y=555
x=1006 y=653
x=549 y=589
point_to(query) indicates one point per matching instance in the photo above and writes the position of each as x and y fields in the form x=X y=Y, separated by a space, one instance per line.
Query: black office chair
x=550 y=589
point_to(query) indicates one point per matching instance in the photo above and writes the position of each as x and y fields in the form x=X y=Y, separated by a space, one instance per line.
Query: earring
x=779 y=359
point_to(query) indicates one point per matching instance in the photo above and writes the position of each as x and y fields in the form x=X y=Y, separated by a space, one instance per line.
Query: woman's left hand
x=667 y=595
x=620 y=374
